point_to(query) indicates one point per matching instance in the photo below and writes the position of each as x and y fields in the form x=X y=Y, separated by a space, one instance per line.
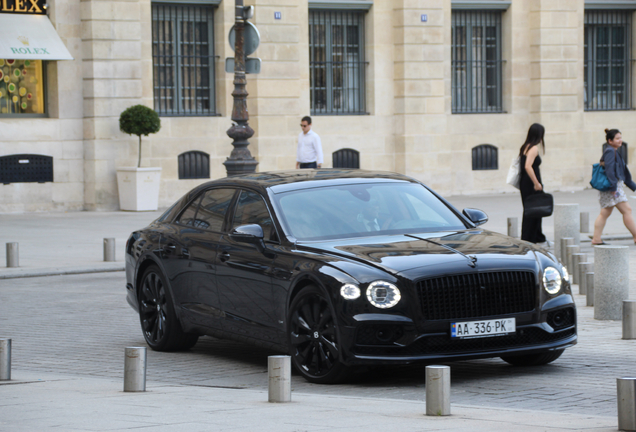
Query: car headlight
x=566 y=275
x=350 y=292
x=383 y=294
x=551 y=280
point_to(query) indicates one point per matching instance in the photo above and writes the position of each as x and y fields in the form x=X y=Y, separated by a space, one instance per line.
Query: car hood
x=400 y=253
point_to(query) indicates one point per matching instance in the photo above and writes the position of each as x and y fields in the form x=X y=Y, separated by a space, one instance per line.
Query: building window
x=485 y=157
x=476 y=61
x=21 y=87
x=346 y=158
x=607 y=60
x=183 y=59
x=337 y=66
x=194 y=165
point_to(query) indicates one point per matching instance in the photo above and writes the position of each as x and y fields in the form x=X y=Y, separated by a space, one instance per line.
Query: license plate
x=476 y=329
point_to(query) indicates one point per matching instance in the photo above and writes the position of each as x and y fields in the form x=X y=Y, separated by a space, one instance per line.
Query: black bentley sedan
x=342 y=268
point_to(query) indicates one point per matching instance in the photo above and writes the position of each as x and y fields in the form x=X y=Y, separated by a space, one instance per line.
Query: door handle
x=185 y=253
x=224 y=256
x=169 y=248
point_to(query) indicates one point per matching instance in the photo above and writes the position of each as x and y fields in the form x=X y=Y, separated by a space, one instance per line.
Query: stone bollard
x=589 y=288
x=577 y=259
x=109 y=249
x=626 y=395
x=135 y=369
x=513 y=226
x=564 y=242
x=569 y=251
x=566 y=224
x=611 y=281
x=585 y=222
x=584 y=269
x=629 y=319
x=279 y=372
x=438 y=390
x=5 y=359
x=13 y=255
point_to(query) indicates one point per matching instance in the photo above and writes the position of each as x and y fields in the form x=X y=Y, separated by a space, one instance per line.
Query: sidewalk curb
x=61 y=272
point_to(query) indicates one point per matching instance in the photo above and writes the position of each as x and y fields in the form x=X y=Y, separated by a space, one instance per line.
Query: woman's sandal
x=603 y=244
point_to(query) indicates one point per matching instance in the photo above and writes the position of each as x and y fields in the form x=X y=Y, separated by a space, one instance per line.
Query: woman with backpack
x=618 y=175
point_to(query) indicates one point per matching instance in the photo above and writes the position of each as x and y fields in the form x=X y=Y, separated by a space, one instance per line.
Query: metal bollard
x=279 y=372
x=569 y=251
x=135 y=369
x=626 y=395
x=5 y=359
x=513 y=226
x=13 y=256
x=589 y=287
x=577 y=259
x=109 y=249
x=584 y=268
x=585 y=222
x=438 y=390
x=629 y=319
x=564 y=243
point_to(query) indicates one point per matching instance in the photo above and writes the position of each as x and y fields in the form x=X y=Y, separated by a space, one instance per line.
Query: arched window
x=346 y=158
x=485 y=157
x=194 y=165
x=26 y=168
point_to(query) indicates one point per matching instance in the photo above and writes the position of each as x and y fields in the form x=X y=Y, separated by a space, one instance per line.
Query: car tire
x=314 y=339
x=159 y=323
x=533 y=359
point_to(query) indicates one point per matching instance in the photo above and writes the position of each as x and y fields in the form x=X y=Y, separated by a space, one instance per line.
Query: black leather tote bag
x=538 y=205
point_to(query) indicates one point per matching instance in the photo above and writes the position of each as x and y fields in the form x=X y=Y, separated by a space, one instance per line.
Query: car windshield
x=363 y=210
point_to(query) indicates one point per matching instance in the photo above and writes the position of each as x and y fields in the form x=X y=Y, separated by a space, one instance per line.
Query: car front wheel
x=313 y=338
x=159 y=322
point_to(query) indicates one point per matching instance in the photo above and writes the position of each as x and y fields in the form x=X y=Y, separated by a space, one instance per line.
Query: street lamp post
x=240 y=160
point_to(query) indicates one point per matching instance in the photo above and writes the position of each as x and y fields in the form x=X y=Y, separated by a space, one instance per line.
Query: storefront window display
x=21 y=87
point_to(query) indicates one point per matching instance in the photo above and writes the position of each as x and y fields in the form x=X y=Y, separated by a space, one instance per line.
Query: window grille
x=183 y=59
x=346 y=158
x=485 y=157
x=337 y=65
x=608 y=60
x=476 y=62
x=194 y=165
x=26 y=168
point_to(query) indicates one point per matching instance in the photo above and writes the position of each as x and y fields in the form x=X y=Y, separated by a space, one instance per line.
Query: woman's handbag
x=514 y=173
x=599 y=178
x=538 y=205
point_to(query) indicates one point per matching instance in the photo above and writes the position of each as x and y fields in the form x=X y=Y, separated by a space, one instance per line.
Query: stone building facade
x=432 y=81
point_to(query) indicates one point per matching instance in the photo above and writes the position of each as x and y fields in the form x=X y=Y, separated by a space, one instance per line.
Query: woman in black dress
x=531 y=180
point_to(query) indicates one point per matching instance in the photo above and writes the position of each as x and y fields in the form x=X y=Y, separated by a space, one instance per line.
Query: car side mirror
x=252 y=234
x=477 y=217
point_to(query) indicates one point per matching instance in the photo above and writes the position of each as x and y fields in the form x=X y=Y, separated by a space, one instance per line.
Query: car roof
x=284 y=181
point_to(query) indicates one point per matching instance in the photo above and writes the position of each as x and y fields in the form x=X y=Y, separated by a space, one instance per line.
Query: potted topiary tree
x=139 y=187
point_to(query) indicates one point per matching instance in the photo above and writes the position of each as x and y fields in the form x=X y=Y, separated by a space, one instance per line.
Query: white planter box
x=138 y=188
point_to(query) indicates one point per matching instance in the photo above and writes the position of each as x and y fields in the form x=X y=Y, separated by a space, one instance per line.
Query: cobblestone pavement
x=80 y=325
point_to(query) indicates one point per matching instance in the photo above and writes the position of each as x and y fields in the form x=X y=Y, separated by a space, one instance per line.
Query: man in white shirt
x=309 y=154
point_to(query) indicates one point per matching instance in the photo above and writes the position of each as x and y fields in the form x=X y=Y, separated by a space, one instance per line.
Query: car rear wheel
x=313 y=338
x=159 y=322
x=533 y=359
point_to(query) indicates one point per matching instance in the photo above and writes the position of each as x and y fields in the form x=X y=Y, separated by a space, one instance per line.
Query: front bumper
x=396 y=340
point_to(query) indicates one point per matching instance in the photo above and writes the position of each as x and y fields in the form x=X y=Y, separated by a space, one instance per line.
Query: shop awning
x=30 y=37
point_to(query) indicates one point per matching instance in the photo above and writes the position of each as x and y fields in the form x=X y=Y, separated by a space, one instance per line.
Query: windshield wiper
x=472 y=260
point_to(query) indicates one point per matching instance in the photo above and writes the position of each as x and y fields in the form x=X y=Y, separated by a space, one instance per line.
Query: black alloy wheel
x=533 y=359
x=313 y=338
x=159 y=323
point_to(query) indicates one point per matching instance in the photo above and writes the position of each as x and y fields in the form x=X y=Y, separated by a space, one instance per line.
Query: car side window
x=213 y=208
x=251 y=209
x=187 y=218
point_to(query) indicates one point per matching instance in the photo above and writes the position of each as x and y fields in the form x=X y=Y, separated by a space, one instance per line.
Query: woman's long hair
x=535 y=137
